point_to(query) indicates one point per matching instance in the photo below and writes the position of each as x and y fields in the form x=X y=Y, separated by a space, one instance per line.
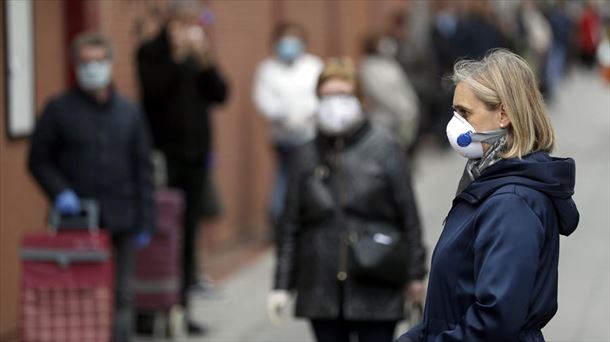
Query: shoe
x=196 y=329
x=205 y=289
x=144 y=324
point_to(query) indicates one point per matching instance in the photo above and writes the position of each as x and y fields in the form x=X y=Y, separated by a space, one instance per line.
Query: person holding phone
x=180 y=82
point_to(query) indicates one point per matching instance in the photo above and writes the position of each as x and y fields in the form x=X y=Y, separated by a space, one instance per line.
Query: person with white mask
x=350 y=244
x=494 y=272
x=284 y=93
x=92 y=143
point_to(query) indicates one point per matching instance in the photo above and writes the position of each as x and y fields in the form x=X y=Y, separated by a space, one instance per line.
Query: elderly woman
x=350 y=241
x=494 y=269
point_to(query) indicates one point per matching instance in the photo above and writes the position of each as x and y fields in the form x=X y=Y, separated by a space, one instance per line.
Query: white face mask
x=94 y=75
x=387 y=47
x=466 y=140
x=337 y=114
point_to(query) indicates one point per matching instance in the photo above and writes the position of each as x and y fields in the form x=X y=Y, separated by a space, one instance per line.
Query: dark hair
x=284 y=27
x=89 y=39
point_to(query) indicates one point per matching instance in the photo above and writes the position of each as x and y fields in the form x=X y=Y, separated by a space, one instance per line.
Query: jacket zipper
x=342 y=198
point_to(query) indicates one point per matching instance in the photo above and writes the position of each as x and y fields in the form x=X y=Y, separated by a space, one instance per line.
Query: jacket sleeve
x=143 y=174
x=267 y=99
x=212 y=85
x=400 y=178
x=45 y=145
x=507 y=245
x=287 y=231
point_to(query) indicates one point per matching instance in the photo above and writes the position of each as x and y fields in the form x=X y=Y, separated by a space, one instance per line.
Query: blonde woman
x=494 y=270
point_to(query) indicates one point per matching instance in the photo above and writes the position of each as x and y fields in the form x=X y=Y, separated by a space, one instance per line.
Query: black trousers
x=124 y=268
x=189 y=177
x=340 y=330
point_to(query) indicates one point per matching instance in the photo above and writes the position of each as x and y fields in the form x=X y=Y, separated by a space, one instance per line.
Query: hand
x=67 y=203
x=277 y=300
x=416 y=292
x=178 y=39
x=142 y=239
x=199 y=45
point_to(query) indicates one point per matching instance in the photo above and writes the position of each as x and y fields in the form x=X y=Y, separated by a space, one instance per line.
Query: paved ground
x=581 y=115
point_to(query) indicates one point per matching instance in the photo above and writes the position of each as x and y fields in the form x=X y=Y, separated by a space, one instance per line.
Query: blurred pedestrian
x=480 y=30
x=180 y=82
x=494 y=270
x=284 y=92
x=391 y=100
x=589 y=26
x=92 y=143
x=603 y=55
x=416 y=57
x=538 y=38
x=350 y=243
x=561 y=26
x=445 y=24
x=447 y=27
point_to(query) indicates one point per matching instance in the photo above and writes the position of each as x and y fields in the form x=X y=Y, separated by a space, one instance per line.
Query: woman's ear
x=504 y=119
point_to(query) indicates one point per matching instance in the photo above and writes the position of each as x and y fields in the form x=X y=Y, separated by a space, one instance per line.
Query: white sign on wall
x=19 y=55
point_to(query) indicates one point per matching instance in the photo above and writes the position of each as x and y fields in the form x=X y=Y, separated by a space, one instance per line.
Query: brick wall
x=22 y=206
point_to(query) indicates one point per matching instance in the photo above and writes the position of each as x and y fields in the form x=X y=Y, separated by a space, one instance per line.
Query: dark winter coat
x=177 y=99
x=494 y=269
x=102 y=152
x=361 y=179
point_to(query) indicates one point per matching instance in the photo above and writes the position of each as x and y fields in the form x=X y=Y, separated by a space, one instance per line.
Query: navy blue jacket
x=102 y=152
x=494 y=269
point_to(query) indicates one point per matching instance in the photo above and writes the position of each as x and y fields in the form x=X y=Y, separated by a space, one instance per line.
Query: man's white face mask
x=93 y=76
x=338 y=114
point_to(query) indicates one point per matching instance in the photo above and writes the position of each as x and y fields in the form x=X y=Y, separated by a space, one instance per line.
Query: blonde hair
x=502 y=78
x=342 y=68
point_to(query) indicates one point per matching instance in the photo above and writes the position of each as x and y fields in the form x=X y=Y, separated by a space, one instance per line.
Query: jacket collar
x=328 y=142
x=92 y=100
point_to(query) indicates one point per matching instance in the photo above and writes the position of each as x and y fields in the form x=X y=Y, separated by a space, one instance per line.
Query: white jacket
x=286 y=95
x=392 y=101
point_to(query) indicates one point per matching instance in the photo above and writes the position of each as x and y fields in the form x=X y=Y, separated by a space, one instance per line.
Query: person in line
x=391 y=99
x=92 y=143
x=180 y=83
x=494 y=270
x=350 y=243
x=589 y=33
x=284 y=93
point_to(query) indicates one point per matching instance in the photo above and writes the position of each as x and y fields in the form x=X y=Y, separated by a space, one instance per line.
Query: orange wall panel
x=22 y=205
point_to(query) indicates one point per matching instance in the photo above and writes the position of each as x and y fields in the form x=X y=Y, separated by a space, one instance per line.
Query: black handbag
x=378 y=252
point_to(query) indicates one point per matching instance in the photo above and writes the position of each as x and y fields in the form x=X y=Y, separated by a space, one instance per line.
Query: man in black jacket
x=179 y=83
x=92 y=143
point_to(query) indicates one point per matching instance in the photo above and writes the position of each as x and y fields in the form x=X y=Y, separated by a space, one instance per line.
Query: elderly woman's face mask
x=338 y=114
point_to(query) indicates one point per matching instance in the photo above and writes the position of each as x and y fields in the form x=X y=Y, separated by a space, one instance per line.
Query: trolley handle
x=88 y=218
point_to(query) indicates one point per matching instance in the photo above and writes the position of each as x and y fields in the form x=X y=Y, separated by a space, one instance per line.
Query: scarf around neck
x=474 y=167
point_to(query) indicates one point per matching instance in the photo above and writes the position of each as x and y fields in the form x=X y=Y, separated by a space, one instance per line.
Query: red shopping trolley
x=67 y=281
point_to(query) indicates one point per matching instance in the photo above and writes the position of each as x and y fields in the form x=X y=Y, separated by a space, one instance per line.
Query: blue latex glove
x=67 y=203
x=142 y=239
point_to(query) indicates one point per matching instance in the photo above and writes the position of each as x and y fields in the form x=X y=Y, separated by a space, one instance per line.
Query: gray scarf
x=474 y=167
